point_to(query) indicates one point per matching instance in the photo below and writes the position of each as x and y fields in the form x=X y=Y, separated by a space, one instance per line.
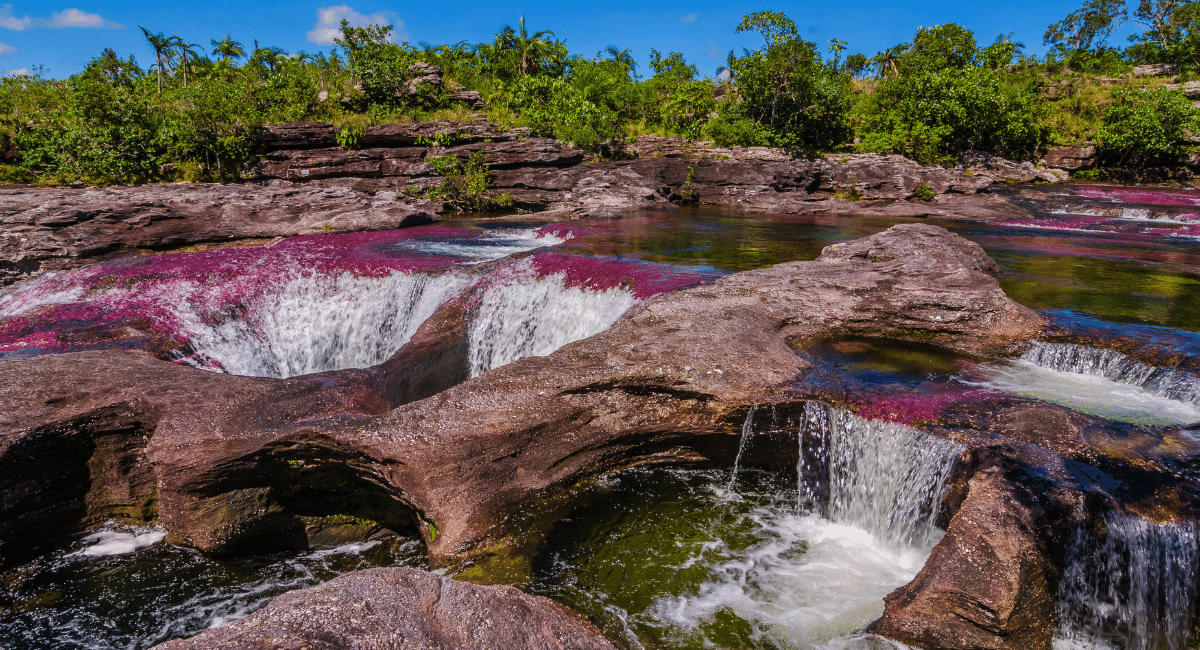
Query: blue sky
x=63 y=36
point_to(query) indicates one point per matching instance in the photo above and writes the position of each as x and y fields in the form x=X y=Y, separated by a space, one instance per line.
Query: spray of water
x=523 y=314
x=1133 y=588
x=1098 y=381
x=318 y=322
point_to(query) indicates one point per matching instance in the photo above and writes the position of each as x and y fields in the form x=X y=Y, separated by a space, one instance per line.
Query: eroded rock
x=58 y=228
x=403 y=608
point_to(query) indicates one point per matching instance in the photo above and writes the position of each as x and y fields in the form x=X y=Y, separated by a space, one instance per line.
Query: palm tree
x=730 y=59
x=227 y=48
x=624 y=58
x=888 y=58
x=187 y=55
x=531 y=48
x=163 y=46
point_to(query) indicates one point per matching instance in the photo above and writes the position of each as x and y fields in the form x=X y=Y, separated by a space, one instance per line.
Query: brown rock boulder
x=1071 y=157
x=987 y=585
x=403 y=608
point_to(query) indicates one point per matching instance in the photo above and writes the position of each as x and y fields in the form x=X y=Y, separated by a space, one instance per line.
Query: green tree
x=163 y=48
x=801 y=101
x=1147 y=126
x=1088 y=28
x=227 y=48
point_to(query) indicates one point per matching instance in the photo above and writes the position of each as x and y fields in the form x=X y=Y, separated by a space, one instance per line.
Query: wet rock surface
x=403 y=608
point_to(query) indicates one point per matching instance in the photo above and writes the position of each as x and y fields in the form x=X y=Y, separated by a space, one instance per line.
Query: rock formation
x=403 y=608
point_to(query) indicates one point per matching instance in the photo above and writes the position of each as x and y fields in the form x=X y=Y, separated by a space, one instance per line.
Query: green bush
x=933 y=116
x=1146 y=126
x=554 y=108
x=465 y=185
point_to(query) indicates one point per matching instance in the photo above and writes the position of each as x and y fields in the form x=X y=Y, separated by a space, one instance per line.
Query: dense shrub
x=1147 y=126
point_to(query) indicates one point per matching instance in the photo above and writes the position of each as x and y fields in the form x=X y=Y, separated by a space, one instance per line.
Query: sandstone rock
x=988 y=583
x=984 y=164
x=57 y=228
x=297 y=135
x=1191 y=89
x=668 y=383
x=470 y=97
x=1071 y=157
x=403 y=608
x=1154 y=70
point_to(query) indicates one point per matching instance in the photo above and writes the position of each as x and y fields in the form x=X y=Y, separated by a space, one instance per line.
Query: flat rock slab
x=403 y=608
x=43 y=229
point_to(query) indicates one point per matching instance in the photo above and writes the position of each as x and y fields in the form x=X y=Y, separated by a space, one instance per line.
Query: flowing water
x=124 y=589
x=1131 y=586
x=665 y=558
x=1097 y=381
x=522 y=313
x=675 y=559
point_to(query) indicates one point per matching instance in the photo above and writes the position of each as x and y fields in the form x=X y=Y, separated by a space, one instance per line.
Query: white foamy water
x=1097 y=381
x=493 y=245
x=819 y=575
x=1135 y=588
x=318 y=322
x=113 y=539
x=809 y=583
x=522 y=314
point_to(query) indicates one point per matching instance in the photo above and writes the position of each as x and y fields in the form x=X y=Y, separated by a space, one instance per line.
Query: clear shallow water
x=1119 y=277
x=672 y=559
x=123 y=588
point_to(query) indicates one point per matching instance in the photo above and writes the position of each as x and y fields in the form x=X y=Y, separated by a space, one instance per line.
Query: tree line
x=193 y=114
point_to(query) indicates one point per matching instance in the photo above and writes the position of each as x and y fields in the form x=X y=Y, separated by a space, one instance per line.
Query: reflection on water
x=1128 y=278
x=122 y=588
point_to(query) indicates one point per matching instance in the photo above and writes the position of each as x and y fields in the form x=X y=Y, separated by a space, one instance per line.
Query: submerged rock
x=403 y=608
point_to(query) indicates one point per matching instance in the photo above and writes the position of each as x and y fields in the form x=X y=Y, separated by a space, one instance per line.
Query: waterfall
x=1097 y=381
x=747 y=433
x=885 y=478
x=1133 y=588
x=1112 y=365
x=317 y=322
x=523 y=314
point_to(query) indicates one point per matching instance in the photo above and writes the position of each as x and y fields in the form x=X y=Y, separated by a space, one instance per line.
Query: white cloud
x=690 y=18
x=19 y=72
x=329 y=23
x=77 y=18
x=58 y=20
x=7 y=50
x=9 y=21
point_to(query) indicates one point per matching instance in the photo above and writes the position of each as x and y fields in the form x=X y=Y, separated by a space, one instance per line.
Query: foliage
x=553 y=107
x=1147 y=125
x=465 y=184
x=934 y=115
x=192 y=115
x=802 y=102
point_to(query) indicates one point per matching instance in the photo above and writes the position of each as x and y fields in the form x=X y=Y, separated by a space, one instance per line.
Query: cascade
x=1112 y=365
x=747 y=433
x=521 y=314
x=885 y=478
x=317 y=322
x=1098 y=381
x=1134 y=588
